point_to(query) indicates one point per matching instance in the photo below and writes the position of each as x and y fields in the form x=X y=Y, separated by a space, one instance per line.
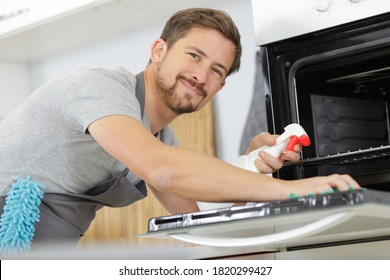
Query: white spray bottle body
x=247 y=162
x=294 y=134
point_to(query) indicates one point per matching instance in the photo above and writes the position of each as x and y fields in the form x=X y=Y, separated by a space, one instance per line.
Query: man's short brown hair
x=183 y=21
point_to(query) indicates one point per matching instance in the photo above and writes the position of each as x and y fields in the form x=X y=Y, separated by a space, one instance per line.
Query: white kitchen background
x=44 y=39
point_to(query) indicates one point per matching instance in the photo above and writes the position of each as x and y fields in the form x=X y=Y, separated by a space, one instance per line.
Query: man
x=80 y=135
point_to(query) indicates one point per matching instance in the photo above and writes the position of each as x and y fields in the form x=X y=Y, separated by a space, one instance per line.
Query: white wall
x=14 y=85
x=132 y=52
x=232 y=103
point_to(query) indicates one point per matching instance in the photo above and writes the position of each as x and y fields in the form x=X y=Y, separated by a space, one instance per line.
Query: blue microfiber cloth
x=20 y=214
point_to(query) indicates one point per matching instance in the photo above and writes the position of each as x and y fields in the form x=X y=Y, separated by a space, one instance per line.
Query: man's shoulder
x=117 y=73
x=103 y=77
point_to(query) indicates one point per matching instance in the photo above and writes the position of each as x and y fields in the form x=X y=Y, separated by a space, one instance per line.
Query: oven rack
x=350 y=157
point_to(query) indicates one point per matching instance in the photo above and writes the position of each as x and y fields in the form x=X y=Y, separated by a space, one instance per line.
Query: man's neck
x=158 y=113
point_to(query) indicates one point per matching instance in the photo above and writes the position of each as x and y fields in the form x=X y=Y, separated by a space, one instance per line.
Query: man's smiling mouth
x=194 y=87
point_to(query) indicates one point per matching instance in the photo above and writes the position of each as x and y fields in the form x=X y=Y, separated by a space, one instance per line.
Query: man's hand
x=267 y=163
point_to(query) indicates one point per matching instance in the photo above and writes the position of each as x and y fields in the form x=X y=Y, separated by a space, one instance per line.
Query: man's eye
x=217 y=72
x=194 y=55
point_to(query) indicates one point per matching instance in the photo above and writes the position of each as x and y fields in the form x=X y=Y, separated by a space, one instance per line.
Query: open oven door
x=338 y=218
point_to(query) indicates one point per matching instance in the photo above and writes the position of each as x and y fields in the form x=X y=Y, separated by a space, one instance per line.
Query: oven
x=325 y=65
x=335 y=82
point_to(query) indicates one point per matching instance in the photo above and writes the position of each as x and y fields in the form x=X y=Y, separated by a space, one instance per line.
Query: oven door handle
x=309 y=229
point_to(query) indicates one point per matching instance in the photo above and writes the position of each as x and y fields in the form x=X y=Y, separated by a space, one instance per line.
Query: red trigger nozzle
x=293 y=141
x=304 y=139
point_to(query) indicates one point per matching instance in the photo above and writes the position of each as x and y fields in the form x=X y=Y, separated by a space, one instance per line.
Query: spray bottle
x=293 y=134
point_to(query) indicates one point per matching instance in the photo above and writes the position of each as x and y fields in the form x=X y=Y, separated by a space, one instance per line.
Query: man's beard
x=168 y=94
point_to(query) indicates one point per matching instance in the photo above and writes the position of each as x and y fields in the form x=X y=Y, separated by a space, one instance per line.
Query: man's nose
x=200 y=75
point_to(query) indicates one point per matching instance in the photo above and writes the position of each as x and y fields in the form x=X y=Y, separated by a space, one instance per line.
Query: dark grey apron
x=65 y=217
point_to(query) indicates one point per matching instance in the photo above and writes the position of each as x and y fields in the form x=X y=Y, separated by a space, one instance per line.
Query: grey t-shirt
x=47 y=136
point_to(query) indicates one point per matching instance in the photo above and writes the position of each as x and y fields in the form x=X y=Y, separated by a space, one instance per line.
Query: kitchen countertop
x=115 y=251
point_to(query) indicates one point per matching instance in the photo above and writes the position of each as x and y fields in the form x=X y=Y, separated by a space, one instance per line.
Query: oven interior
x=343 y=102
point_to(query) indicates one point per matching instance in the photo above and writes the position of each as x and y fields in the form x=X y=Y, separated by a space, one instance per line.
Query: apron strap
x=140 y=91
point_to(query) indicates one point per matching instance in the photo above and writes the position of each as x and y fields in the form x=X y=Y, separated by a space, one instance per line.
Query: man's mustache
x=197 y=86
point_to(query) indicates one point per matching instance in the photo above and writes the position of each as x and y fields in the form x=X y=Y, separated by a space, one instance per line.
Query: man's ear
x=158 y=50
x=222 y=85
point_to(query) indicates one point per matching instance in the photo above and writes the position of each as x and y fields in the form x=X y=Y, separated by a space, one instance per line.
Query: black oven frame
x=281 y=60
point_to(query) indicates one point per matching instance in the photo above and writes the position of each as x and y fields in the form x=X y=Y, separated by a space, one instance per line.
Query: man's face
x=194 y=70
